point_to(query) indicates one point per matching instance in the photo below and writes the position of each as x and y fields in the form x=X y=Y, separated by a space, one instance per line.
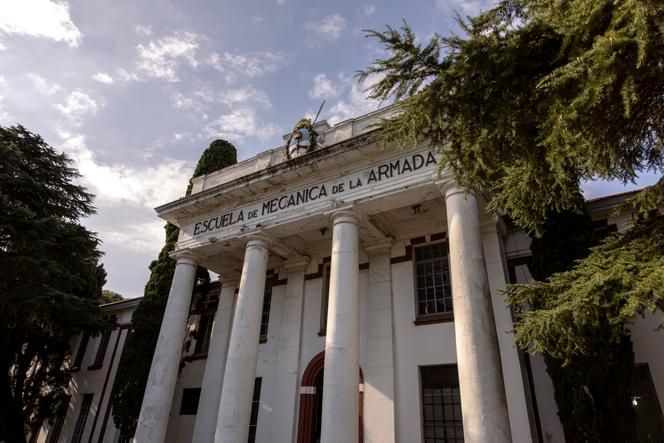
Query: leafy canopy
x=534 y=97
x=50 y=278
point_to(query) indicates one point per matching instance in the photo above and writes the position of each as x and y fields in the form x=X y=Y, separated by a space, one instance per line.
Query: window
x=189 y=404
x=77 y=436
x=54 y=435
x=255 y=403
x=80 y=352
x=441 y=404
x=265 y=316
x=101 y=350
x=204 y=333
x=324 y=298
x=432 y=281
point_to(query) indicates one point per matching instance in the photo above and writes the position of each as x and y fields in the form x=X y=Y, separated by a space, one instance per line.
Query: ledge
x=434 y=318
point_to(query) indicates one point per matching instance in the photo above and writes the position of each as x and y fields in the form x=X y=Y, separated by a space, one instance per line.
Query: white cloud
x=39 y=18
x=139 y=237
x=181 y=101
x=369 y=10
x=329 y=27
x=239 y=124
x=143 y=30
x=245 y=95
x=43 y=85
x=160 y=58
x=465 y=7
x=323 y=88
x=146 y=186
x=76 y=106
x=355 y=101
x=201 y=100
x=4 y=116
x=252 y=64
x=103 y=77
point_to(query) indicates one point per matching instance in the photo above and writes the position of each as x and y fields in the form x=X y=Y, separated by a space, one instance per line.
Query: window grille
x=267 y=300
x=204 y=333
x=325 y=297
x=441 y=404
x=101 y=350
x=77 y=435
x=432 y=280
x=255 y=403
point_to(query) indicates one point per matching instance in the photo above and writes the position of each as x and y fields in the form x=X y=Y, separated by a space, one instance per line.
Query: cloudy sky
x=133 y=91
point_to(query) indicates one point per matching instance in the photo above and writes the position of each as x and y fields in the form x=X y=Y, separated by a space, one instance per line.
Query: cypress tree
x=50 y=279
x=136 y=358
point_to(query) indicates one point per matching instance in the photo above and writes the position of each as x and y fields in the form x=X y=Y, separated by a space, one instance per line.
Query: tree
x=50 y=278
x=533 y=98
x=591 y=406
x=110 y=296
x=134 y=366
x=537 y=96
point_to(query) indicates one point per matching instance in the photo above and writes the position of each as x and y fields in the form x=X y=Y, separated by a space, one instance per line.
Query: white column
x=483 y=404
x=379 y=425
x=516 y=387
x=286 y=387
x=208 y=405
x=341 y=372
x=153 y=418
x=240 y=371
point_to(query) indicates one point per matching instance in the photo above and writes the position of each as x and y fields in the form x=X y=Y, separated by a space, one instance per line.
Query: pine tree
x=136 y=358
x=533 y=98
x=50 y=278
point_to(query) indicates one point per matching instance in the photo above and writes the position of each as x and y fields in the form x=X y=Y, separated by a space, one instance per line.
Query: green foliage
x=217 y=156
x=50 y=278
x=536 y=96
x=621 y=278
x=591 y=406
x=566 y=237
x=110 y=296
x=134 y=366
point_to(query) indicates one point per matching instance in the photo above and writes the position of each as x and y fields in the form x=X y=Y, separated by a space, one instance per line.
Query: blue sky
x=133 y=91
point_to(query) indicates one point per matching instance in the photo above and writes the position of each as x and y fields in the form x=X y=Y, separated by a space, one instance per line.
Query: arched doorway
x=311 y=401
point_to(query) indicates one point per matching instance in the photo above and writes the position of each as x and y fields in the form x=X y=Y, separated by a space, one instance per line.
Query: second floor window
x=265 y=316
x=204 y=333
x=432 y=280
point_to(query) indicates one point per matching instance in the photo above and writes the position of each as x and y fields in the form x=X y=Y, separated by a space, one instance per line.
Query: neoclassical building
x=359 y=300
x=384 y=318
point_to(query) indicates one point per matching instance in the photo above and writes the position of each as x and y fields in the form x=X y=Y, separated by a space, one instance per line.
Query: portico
x=337 y=225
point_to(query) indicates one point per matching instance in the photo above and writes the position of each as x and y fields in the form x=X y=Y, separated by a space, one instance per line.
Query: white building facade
x=360 y=300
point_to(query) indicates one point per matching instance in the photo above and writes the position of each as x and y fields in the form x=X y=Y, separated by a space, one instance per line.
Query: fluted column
x=341 y=372
x=153 y=418
x=240 y=372
x=483 y=404
x=208 y=405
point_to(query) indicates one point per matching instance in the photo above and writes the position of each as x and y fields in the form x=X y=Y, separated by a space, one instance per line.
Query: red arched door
x=311 y=401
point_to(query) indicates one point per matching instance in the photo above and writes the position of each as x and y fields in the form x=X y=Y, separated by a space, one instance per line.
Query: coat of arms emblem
x=303 y=139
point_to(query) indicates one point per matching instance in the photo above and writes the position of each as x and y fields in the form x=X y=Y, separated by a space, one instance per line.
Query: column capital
x=229 y=278
x=449 y=187
x=379 y=248
x=346 y=215
x=258 y=240
x=297 y=264
x=185 y=256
